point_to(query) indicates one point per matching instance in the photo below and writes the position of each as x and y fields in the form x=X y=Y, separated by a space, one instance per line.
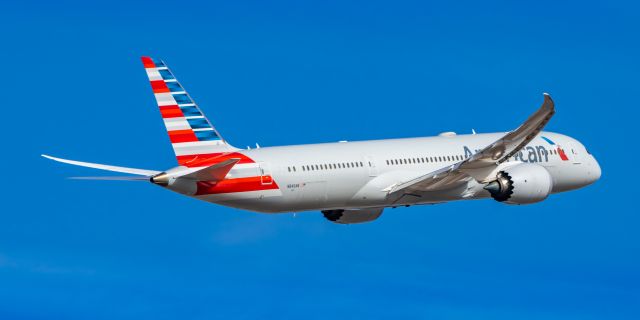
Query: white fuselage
x=347 y=175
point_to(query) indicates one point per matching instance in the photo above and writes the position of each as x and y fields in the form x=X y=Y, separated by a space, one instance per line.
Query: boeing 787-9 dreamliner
x=353 y=182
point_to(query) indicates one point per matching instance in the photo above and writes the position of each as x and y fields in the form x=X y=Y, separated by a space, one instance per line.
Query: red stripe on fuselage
x=236 y=185
x=205 y=160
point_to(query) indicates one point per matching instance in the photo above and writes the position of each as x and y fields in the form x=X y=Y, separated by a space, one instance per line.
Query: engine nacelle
x=521 y=184
x=352 y=216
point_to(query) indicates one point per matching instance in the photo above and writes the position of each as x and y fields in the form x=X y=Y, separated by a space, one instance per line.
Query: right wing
x=514 y=141
x=480 y=165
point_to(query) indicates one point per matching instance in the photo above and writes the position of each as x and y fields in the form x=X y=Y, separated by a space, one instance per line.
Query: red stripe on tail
x=178 y=136
x=171 y=111
x=148 y=63
x=159 y=86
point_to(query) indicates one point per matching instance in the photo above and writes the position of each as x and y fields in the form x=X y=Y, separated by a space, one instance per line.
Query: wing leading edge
x=480 y=165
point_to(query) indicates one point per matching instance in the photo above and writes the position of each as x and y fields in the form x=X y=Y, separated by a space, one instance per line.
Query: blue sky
x=282 y=73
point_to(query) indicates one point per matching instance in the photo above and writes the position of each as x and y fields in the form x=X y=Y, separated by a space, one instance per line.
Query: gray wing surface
x=483 y=162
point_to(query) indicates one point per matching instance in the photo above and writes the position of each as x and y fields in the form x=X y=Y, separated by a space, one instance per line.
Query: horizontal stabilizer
x=140 y=172
x=214 y=172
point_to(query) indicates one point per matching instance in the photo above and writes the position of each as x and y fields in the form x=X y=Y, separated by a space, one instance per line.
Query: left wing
x=480 y=165
x=140 y=172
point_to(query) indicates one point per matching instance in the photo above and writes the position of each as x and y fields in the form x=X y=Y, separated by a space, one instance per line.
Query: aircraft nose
x=594 y=170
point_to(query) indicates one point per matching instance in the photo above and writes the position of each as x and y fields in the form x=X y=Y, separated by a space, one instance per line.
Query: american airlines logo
x=531 y=154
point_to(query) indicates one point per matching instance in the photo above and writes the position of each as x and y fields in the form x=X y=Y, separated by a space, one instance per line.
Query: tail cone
x=161 y=179
x=493 y=187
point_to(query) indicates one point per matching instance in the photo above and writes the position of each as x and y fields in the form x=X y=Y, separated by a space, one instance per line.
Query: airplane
x=353 y=182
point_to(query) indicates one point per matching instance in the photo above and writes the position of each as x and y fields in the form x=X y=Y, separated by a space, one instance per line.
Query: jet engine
x=521 y=184
x=352 y=216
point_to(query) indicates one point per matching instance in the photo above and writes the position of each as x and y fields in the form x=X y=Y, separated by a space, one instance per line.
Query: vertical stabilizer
x=192 y=135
